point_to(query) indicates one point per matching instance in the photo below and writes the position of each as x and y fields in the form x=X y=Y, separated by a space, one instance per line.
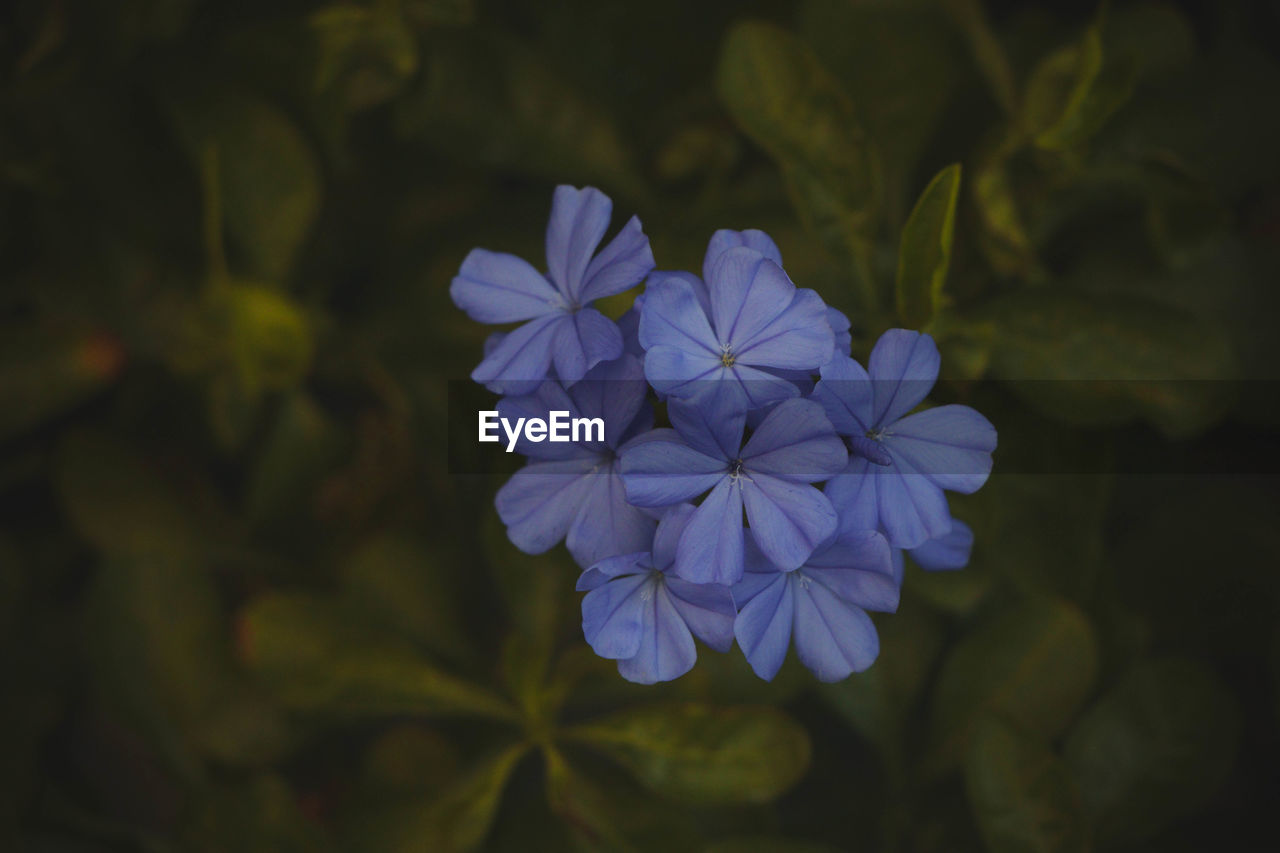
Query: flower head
x=769 y=476
x=562 y=328
x=821 y=607
x=572 y=490
x=638 y=613
x=899 y=463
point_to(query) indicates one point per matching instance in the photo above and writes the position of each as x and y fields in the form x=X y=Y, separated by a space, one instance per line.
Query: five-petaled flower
x=770 y=476
x=562 y=329
x=640 y=614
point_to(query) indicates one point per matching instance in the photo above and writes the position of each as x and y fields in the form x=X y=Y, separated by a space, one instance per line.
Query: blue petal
x=609 y=568
x=620 y=265
x=541 y=500
x=520 y=361
x=745 y=388
x=853 y=493
x=710 y=549
x=840 y=326
x=579 y=218
x=912 y=507
x=591 y=339
x=710 y=429
x=788 y=520
x=754 y=582
x=681 y=373
x=949 y=551
x=494 y=287
x=660 y=469
x=845 y=394
x=666 y=646
x=613 y=616
x=798 y=338
x=949 y=444
x=763 y=627
x=667 y=537
x=707 y=609
x=607 y=524
x=672 y=316
x=615 y=392
x=796 y=442
x=903 y=367
x=724 y=240
x=859 y=569
x=833 y=638
x=629 y=326
x=550 y=396
x=748 y=292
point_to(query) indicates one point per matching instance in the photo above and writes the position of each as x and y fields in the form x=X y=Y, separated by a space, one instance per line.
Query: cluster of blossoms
x=776 y=508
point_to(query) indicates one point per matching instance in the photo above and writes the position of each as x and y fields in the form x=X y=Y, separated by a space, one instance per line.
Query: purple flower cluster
x=775 y=509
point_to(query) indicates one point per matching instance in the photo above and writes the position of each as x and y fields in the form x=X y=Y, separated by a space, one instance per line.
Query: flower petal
x=671 y=315
x=579 y=218
x=763 y=627
x=788 y=520
x=681 y=373
x=660 y=469
x=541 y=501
x=725 y=239
x=748 y=292
x=951 y=445
x=666 y=646
x=495 y=287
x=845 y=393
x=911 y=506
x=853 y=493
x=903 y=367
x=797 y=443
x=949 y=551
x=709 y=428
x=707 y=609
x=615 y=392
x=613 y=616
x=710 y=549
x=617 y=566
x=620 y=265
x=550 y=396
x=833 y=638
x=667 y=537
x=607 y=523
x=520 y=361
x=796 y=339
x=859 y=569
x=840 y=326
x=580 y=346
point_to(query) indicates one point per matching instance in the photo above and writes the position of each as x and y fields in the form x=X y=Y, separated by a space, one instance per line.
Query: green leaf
x=267 y=177
x=365 y=53
x=46 y=371
x=267 y=335
x=782 y=97
x=988 y=53
x=702 y=753
x=1004 y=235
x=1034 y=664
x=1103 y=360
x=261 y=816
x=1154 y=749
x=314 y=656
x=1023 y=796
x=925 y=253
x=304 y=441
x=1072 y=93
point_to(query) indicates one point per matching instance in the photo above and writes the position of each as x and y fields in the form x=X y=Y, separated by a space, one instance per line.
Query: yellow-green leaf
x=925 y=253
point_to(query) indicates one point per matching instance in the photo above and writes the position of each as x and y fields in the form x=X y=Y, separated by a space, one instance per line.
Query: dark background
x=245 y=604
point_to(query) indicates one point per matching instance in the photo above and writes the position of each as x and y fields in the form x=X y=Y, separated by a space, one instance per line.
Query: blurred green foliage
x=245 y=604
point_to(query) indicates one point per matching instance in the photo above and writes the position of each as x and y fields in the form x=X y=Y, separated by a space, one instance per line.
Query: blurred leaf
x=767 y=845
x=702 y=753
x=269 y=338
x=1023 y=797
x=1101 y=361
x=781 y=96
x=261 y=816
x=365 y=52
x=987 y=51
x=1074 y=91
x=44 y=372
x=925 y=252
x=1153 y=749
x=1034 y=664
x=1005 y=240
x=304 y=441
x=582 y=805
x=268 y=177
x=313 y=656
x=408 y=759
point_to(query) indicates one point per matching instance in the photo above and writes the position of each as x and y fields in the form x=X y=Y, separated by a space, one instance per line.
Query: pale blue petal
x=912 y=507
x=748 y=292
x=591 y=339
x=579 y=218
x=710 y=427
x=845 y=393
x=707 y=609
x=494 y=287
x=671 y=315
x=613 y=616
x=796 y=339
x=710 y=550
x=541 y=501
x=521 y=360
x=725 y=239
x=853 y=493
x=859 y=569
x=609 y=568
x=796 y=442
x=949 y=551
x=660 y=469
x=763 y=627
x=840 y=326
x=607 y=523
x=833 y=638
x=620 y=265
x=550 y=396
x=615 y=392
x=666 y=647
x=667 y=537
x=788 y=520
x=951 y=445
x=682 y=373
x=903 y=367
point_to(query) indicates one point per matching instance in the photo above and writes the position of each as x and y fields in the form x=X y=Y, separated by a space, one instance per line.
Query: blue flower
x=638 y=613
x=820 y=606
x=562 y=329
x=751 y=321
x=769 y=476
x=946 y=552
x=571 y=490
x=899 y=463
